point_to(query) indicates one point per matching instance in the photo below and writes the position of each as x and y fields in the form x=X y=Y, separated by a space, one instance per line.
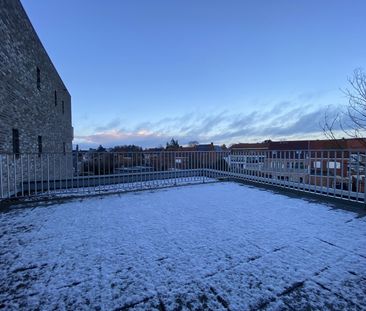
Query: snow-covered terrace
x=221 y=246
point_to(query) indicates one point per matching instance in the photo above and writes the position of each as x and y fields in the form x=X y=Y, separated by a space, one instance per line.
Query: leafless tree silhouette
x=352 y=121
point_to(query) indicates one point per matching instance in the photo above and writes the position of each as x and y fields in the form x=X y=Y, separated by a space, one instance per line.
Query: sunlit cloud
x=286 y=120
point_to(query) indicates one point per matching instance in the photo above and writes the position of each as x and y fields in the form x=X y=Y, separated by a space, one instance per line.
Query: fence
x=336 y=173
x=35 y=175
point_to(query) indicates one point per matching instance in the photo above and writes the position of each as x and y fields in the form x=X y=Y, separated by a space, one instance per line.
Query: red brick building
x=337 y=164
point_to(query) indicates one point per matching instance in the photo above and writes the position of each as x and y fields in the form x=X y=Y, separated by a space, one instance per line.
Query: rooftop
x=220 y=246
x=349 y=143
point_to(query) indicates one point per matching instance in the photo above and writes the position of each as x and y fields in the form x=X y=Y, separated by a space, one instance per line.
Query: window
x=16 y=141
x=55 y=98
x=64 y=147
x=63 y=107
x=332 y=164
x=38 y=78
x=40 y=145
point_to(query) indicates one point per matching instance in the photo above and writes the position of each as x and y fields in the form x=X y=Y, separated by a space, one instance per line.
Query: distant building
x=207 y=147
x=35 y=105
x=303 y=161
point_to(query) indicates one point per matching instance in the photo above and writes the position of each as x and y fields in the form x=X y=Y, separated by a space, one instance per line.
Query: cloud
x=109 y=126
x=286 y=119
x=119 y=137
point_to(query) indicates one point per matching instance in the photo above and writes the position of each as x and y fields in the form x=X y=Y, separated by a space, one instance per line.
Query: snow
x=123 y=187
x=213 y=246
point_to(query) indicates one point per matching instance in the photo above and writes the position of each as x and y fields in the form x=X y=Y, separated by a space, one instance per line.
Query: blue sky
x=143 y=71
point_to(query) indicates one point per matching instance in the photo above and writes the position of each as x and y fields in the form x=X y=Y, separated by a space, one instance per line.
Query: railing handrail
x=337 y=172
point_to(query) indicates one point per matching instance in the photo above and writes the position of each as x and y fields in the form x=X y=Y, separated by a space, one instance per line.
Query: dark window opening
x=63 y=107
x=40 y=147
x=38 y=78
x=55 y=98
x=64 y=148
x=16 y=149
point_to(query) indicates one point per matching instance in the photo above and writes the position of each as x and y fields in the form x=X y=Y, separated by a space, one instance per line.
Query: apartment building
x=324 y=163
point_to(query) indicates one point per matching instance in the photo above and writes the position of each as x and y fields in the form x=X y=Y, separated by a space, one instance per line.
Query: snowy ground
x=219 y=246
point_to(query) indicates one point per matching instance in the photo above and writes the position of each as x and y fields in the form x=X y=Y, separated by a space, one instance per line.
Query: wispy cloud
x=284 y=120
x=110 y=125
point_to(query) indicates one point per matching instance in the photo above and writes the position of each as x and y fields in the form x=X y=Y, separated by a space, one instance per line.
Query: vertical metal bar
x=243 y=159
x=21 y=176
x=175 y=166
x=258 y=165
x=144 y=169
x=75 y=159
x=54 y=172
x=140 y=163
x=8 y=175
x=99 y=172
x=209 y=173
x=298 y=153
x=201 y=165
x=219 y=162
x=48 y=173
x=328 y=158
x=335 y=173
x=160 y=166
x=35 y=174
x=317 y=171
x=363 y=178
x=102 y=172
x=208 y=170
x=41 y=169
x=215 y=155
x=109 y=165
x=193 y=166
x=342 y=174
x=308 y=169
x=349 y=173
x=239 y=156
x=60 y=172
x=276 y=167
x=281 y=168
x=358 y=176
x=321 y=171
x=171 y=175
x=1 y=177
x=15 y=176
x=66 y=189
x=198 y=164
x=205 y=165
x=287 y=168
x=270 y=166
x=28 y=175
x=89 y=171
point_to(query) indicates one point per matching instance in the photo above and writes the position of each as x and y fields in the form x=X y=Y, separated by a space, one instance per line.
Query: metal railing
x=81 y=173
x=335 y=173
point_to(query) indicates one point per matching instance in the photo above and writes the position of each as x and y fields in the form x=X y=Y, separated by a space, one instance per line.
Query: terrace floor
x=221 y=246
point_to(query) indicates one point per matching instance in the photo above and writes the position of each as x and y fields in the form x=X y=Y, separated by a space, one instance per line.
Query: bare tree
x=352 y=121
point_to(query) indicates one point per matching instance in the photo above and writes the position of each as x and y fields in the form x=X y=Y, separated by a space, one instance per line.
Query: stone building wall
x=33 y=98
x=23 y=106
